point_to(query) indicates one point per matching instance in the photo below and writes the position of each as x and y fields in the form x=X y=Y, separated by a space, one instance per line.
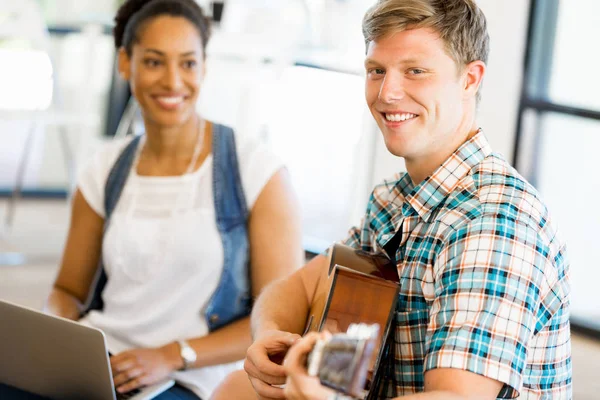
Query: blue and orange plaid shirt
x=484 y=279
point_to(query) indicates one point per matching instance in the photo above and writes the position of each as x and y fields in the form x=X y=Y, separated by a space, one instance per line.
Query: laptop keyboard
x=128 y=395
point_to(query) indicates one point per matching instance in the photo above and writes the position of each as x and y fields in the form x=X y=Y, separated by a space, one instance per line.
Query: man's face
x=415 y=93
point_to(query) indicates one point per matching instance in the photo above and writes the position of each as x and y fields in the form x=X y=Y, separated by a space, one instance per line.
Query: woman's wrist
x=172 y=355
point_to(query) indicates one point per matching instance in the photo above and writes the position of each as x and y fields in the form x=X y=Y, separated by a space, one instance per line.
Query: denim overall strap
x=232 y=298
x=112 y=192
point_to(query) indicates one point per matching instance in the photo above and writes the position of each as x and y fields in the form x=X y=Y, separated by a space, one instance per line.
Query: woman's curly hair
x=133 y=13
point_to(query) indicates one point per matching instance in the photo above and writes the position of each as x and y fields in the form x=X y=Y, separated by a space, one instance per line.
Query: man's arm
x=284 y=304
x=456 y=384
x=278 y=316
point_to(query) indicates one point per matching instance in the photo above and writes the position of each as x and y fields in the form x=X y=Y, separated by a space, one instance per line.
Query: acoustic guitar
x=357 y=288
x=341 y=361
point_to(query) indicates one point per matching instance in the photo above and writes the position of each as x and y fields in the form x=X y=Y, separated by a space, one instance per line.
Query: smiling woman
x=165 y=70
x=187 y=222
x=161 y=53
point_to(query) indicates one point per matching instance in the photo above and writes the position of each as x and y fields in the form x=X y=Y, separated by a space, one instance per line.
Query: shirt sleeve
x=92 y=179
x=489 y=282
x=257 y=163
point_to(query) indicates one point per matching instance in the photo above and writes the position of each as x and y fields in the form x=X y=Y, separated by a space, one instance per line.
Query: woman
x=187 y=222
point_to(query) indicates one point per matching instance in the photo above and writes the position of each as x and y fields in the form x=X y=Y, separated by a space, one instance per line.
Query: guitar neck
x=342 y=361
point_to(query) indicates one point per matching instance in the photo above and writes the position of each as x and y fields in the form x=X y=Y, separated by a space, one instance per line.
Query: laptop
x=58 y=358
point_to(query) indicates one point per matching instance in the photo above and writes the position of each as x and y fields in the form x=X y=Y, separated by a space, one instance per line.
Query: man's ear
x=473 y=76
x=124 y=64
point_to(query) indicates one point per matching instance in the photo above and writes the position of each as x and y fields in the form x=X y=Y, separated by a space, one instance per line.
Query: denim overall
x=232 y=297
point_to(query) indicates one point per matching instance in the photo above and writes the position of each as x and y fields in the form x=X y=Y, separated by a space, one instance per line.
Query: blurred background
x=291 y=72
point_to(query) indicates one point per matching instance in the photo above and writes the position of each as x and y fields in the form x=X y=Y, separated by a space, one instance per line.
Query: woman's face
x=165 y=70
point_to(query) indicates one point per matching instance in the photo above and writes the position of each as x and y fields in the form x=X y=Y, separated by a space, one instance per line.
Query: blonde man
x=484 y=299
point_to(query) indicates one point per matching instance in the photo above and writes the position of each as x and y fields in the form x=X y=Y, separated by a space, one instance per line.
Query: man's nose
x=392 y=88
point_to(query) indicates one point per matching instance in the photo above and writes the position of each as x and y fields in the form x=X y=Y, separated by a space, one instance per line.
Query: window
x=558 y=136
x=575 y=63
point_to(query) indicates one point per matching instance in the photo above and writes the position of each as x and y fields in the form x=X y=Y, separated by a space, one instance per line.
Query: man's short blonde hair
x=460 y=24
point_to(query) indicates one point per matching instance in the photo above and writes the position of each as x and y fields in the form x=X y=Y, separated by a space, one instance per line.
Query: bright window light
x=25 y=79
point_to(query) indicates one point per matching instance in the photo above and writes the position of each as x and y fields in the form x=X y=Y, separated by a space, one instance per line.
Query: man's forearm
x=283 y=305
x=419 y=396
x=435 y=395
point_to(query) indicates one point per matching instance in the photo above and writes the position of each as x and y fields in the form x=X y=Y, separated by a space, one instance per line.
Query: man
x=484 y=292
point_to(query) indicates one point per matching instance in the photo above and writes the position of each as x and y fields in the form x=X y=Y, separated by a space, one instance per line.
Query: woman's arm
x=79 y=262
x=225 y=345
x=275 y=233
x=275 y=252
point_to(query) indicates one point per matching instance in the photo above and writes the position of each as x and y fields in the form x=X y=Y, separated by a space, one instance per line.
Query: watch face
x=188 y=354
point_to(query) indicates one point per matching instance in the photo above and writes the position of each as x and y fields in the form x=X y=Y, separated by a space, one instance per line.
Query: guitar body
x=358 y=287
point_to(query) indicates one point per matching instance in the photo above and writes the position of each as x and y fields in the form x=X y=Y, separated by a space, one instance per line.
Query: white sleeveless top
x=163 y=253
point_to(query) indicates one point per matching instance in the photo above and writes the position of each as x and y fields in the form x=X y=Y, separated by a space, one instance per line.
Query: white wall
x=73 y=12
x=507 y=25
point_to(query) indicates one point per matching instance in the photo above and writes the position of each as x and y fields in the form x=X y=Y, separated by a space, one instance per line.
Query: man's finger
x=280 y=342
x=261 y=361
x=290 y=392
x=254 y=372
x=296 y=356
x=266 y=391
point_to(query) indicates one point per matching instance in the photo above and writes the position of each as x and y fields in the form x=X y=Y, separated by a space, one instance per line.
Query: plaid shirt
x=484 y=282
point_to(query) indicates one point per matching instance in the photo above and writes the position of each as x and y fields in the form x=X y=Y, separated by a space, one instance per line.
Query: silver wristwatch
x=187 y=353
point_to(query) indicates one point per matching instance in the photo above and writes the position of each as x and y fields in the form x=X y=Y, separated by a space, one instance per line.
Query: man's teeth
x=399 y=117
x=171 y=100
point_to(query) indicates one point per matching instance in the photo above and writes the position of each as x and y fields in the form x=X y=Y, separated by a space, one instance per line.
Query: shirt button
x=214 y=318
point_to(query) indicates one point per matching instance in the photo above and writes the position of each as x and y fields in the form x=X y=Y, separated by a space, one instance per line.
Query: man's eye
x=416 y=71
x=376 y=71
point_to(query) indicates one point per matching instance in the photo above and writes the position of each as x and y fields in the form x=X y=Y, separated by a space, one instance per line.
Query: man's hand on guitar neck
x=284 y=304
x=263 y=362
x=299 y=385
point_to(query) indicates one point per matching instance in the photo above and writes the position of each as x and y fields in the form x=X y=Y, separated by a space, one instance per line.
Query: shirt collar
x=427 y=195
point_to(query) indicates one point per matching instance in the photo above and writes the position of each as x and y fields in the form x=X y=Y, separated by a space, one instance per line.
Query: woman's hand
x=135 y=368
x=299 y=385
